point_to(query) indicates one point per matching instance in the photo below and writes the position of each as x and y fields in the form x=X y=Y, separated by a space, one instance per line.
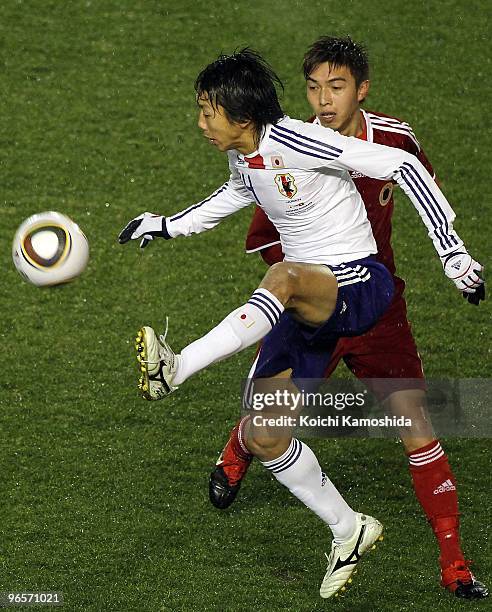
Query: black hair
x=245 y=85
x=338 y=52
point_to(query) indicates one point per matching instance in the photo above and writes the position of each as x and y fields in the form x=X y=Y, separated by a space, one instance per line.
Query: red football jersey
x=377 y=195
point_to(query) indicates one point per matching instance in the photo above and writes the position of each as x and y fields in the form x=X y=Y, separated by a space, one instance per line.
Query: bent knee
x=281 y=279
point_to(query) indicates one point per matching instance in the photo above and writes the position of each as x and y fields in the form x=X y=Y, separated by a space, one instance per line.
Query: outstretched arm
x=200 y=217
x=381 y=162
x=378 y=161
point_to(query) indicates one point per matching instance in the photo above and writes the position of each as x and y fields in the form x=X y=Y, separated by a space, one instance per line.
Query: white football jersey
x=300 y=177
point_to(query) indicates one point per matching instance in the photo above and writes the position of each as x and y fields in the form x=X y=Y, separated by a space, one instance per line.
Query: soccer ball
x=50 y=249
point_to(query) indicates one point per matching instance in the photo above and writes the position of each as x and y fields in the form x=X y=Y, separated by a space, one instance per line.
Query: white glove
x=466 y=273
x=145 y=228
x=463 y=271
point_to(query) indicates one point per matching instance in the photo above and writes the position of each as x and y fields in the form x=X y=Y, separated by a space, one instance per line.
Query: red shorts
x=387 y=353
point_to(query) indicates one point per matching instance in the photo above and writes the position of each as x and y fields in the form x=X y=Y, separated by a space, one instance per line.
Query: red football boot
x=230 y=469
x=458 y=579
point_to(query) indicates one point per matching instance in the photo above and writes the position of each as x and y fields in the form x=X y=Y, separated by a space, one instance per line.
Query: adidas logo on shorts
x=447 y=485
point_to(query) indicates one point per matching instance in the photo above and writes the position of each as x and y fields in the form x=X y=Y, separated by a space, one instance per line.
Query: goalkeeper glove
x=465 y=272
x=145 y=228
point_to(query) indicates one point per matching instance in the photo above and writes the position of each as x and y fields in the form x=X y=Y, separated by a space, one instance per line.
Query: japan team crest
x=286 y=185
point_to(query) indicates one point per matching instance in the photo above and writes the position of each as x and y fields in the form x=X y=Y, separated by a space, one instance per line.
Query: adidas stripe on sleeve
x=311 y=151
x=382 y=162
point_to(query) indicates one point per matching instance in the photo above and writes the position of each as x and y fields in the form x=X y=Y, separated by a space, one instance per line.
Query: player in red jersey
x=337 y=78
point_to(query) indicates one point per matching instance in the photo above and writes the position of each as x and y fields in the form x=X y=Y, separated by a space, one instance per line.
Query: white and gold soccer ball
x=50 y=249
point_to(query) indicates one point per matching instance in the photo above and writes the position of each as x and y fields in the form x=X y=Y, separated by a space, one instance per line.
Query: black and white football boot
x=343 y=558
x=157 y=363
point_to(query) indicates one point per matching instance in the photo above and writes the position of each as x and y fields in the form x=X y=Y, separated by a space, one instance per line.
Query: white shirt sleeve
x=319 y=147
x=382 y=162
x=208 y=213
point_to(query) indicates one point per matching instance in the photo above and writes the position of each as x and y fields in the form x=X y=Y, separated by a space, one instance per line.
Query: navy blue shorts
x=365 y=290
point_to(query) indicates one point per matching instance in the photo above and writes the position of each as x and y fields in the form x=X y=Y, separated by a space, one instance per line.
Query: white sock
x=241 y=328
x=299 y=470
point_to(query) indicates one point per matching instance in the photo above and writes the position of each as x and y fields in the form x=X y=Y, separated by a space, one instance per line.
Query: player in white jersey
x=299 y=175
x=301 y=204
x=330 y=284
x=385 y=358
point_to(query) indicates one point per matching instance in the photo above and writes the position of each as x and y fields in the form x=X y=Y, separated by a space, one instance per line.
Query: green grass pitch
x=104 y=496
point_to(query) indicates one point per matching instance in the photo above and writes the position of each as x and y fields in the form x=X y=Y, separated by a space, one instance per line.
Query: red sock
x=237 y=441
x=435 y=487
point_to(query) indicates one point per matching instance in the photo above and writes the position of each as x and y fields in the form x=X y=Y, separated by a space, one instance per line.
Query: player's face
x=335 y=98
x=218 y=128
